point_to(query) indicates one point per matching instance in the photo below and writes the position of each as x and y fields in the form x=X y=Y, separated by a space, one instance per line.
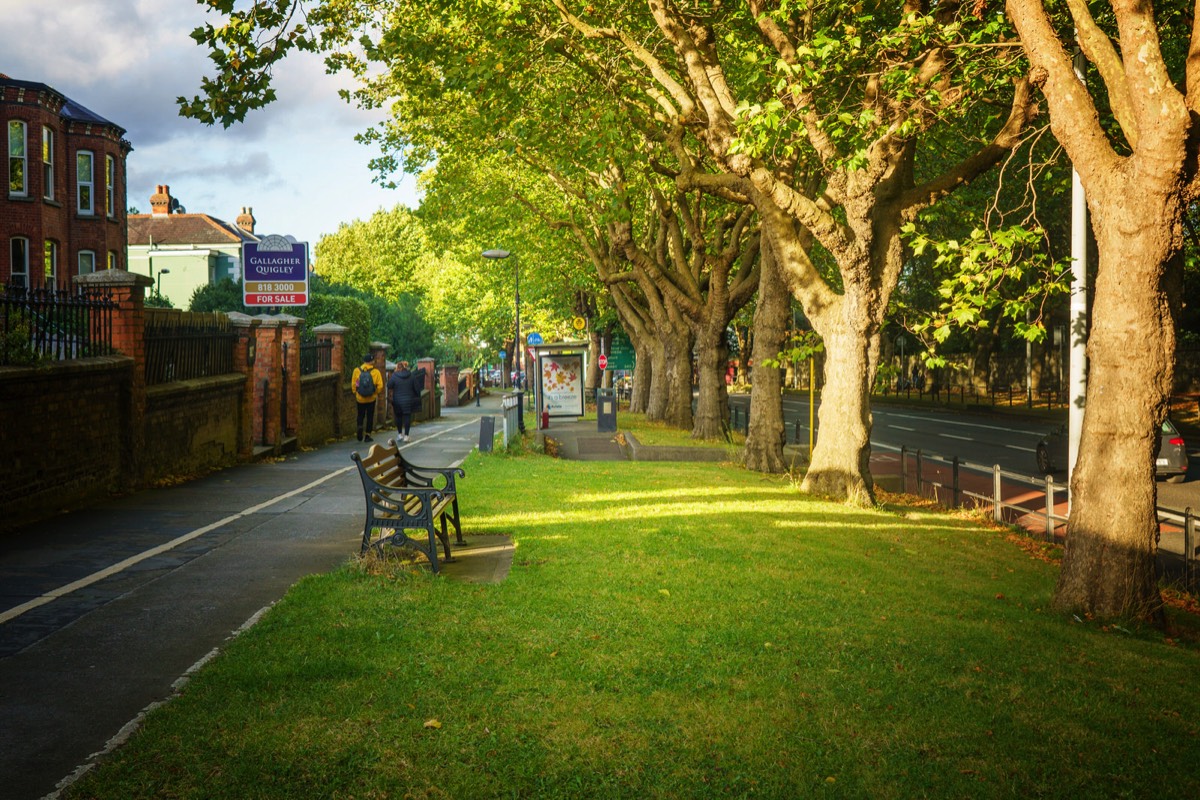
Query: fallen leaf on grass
x=432 y=723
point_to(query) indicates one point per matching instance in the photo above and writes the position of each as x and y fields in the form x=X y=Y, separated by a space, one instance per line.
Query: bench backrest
x=383 y=464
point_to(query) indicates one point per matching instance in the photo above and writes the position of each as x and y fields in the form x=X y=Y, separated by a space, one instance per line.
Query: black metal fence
x=181 y=346
x=316 y=357
x=44 y=324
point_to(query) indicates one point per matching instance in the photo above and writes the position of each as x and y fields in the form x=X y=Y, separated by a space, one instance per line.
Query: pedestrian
x=405 y=390
x=367 y=384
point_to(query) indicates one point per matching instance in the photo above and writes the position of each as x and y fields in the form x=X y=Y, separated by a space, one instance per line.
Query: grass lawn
x=682 y=630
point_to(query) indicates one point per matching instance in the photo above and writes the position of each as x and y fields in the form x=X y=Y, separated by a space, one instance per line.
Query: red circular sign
x=603 y=361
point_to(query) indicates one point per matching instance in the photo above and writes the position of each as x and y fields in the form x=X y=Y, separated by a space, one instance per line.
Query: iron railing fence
x=316 y=357
x=1040 y=503
x=185 y=345
x=46 y=324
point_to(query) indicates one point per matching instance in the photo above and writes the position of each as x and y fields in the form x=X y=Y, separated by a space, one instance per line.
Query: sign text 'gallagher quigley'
x=275 y=272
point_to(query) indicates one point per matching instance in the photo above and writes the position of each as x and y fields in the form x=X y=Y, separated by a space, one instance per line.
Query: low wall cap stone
x=331 y=327
x=114 y=277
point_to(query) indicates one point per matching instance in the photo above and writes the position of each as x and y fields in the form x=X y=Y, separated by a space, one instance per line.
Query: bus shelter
x=560 y=378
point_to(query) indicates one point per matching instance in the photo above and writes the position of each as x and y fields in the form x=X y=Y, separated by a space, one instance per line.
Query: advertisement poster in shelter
x=562 y=384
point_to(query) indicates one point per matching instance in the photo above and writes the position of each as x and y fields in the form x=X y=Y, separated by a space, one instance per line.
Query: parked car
x=1171 y=460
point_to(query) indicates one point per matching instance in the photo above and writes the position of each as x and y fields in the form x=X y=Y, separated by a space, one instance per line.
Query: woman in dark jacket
x=405 y=390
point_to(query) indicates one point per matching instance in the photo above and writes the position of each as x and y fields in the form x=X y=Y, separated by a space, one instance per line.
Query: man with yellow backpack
x=367 y=384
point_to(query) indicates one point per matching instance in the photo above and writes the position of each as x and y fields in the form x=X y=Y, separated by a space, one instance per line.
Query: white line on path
x=901 y=428
x=1022 y=449
x=120 y=566
x=952 y=436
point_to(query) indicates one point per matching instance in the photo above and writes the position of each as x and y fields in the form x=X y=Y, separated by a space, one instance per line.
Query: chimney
x=160 y=201
x=245 y=220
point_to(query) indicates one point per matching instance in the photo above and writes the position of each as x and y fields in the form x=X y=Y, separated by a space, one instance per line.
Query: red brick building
x=62 y=211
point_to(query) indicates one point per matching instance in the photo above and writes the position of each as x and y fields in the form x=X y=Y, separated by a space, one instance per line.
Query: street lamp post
x=518 y=349
x=158 y=289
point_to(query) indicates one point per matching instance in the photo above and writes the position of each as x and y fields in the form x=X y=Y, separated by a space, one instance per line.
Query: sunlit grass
x=680 y=630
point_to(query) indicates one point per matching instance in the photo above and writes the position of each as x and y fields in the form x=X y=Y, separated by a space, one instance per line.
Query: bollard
x=903 y=469
x=1049 y=508
x=920 y=482
x=954 y=467
x=997 y=500
x=1189 y=549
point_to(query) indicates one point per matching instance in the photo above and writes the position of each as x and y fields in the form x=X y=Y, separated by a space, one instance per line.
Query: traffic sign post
x=620 y=352
x=603 y=361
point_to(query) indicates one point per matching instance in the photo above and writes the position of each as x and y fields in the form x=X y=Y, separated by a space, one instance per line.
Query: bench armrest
x=387 y=504
x=424 y=476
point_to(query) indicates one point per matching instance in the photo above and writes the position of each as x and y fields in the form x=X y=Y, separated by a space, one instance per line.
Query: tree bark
x=764 y=444
x=639 y=398
x=1136 y=203
x=677 y=371
x=1109 y=565
x=841 y=459
x=712 y=402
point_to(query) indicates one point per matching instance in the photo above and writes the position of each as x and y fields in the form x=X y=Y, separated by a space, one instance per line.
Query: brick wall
x=73 y=431
x=192 y=426
x=320 y=409
x=57 y=219
x=61 y=435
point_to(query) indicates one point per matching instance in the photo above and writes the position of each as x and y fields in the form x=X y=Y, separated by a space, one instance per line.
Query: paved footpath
x=103 y=611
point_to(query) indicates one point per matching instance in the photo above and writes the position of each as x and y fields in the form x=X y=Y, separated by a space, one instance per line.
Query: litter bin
x=606 y=410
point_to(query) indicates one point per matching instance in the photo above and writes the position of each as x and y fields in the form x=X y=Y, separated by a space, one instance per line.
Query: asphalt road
x=104 y=611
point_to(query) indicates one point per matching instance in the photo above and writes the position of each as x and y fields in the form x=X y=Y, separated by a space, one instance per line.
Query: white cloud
x=295 y=162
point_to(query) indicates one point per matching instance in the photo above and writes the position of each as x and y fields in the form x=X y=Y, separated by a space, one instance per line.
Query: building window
x=110 y=186
x=17 y=160
x=84 y=182
x=112 y=260
x=87 y=262
x=19 y=253
x=51 y=278
x=47 y=163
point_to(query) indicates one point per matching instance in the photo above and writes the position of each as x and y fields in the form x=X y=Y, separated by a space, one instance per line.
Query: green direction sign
x=620 y=352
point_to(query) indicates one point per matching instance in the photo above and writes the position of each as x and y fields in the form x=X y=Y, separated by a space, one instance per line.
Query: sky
x=295 y=162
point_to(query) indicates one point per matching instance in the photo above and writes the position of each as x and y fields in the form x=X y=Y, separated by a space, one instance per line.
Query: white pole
x=1077 y=324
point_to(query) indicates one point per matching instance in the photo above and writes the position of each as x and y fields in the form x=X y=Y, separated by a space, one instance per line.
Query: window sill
x=50 y=201
x=20 y=198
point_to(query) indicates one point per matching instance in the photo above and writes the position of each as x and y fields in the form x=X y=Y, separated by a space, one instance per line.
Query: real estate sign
x=275 y=272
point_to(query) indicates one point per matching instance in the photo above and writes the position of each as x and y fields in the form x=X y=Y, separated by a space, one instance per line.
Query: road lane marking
x=902 y=428
x=1022 y=449
x=121 y=566
x=952 y=436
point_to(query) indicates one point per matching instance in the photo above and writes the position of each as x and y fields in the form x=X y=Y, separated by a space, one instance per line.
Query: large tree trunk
x=639 y=398
x=712 y=403
x=1109 y=565
x=677 y=374
x=659 y=395
x=841 y=458
x=764 y=444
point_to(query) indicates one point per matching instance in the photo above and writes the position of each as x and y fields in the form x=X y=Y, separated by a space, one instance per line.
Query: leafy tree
x=1138 y=167
x=378 y=256
x=349 y=312
x=224 y=295
x=400 y=323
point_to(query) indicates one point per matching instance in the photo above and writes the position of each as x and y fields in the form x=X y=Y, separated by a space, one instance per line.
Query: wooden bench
x=403 y=497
